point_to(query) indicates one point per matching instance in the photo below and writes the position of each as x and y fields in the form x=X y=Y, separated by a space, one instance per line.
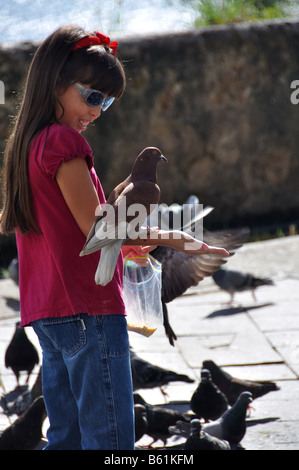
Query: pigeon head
x=211 y=366
x=240 y=407
x=145 y=165
x=205 y=375
x=245 y=397
x=195 y=426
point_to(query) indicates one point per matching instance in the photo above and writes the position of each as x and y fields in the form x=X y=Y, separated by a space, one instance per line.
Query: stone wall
x=217 y=103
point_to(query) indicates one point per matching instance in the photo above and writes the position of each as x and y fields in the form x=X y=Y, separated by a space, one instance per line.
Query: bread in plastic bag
x=142 y=293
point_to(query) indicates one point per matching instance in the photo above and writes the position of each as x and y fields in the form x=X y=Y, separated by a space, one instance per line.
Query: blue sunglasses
x=94 y=97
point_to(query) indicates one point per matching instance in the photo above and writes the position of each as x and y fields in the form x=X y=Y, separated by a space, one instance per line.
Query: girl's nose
x=95 y=112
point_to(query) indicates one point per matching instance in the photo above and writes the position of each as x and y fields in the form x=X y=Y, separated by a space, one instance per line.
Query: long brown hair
x=54 y=65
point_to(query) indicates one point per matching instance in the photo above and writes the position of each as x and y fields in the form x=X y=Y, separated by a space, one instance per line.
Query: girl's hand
x=138 y=252
x=176 y=239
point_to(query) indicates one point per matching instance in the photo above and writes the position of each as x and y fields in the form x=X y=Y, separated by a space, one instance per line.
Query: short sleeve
x=62 y=144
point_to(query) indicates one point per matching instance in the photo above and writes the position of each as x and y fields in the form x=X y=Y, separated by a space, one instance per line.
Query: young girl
x=51 y=195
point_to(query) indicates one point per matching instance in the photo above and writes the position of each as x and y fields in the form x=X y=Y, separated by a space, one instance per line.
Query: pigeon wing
x=181 y=270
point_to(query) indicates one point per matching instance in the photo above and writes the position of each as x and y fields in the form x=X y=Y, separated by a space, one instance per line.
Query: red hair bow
x=98 y=40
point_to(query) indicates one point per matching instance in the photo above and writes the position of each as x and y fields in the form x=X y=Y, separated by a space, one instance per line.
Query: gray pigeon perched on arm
x=110 y=231
x=233 y=281
x=232 y=387
x=207 y=401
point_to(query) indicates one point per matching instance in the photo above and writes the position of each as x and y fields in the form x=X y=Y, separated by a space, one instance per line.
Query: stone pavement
x=252 y=339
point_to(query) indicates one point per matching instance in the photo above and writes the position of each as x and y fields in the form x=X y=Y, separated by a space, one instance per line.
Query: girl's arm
x=181 y=241
x=78 y=190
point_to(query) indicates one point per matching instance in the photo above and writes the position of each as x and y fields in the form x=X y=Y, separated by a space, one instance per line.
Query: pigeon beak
x=163 y=159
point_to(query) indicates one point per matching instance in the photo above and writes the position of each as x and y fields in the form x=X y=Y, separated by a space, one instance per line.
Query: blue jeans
x=87 y=383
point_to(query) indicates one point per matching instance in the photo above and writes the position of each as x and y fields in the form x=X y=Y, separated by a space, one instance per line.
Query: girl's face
x=72 y=111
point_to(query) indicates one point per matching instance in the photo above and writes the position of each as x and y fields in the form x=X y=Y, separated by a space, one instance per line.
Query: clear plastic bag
x=142 y=294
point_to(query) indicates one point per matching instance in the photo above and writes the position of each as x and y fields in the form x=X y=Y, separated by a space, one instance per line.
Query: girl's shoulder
x=56 y=144
x=67 y=138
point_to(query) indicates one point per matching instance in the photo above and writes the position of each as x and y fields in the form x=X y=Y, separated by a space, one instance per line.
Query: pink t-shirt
x=54 y=280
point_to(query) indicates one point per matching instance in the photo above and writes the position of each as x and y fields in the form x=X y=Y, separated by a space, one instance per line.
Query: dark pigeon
x=26 y=432
x=232 y=387
x=208 y=402
x=21 y=354
x=146 y=375
x=159 y=419
x=140 y=421
x=109 y=234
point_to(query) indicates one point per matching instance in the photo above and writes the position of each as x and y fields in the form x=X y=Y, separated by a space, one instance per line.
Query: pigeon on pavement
x=231 y=426
x=233 y=281
x=147 y=375
x=26 y=432
x=140 y=421
x=200 y=440
x=207 y=401
x=111 y=228
x=159 y=419
x=21 y=354
x=232 y=387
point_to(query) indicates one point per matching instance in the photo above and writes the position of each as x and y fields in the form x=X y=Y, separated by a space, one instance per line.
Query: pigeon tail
x=256 y=282
x=107 y=263
x=173 y=377
x=232 y=387
x=103 y=234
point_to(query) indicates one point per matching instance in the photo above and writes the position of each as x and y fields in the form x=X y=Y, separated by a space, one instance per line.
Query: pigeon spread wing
x=181 y=271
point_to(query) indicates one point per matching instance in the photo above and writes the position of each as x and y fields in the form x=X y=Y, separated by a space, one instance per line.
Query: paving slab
x=277 y=258
x=272 y=435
